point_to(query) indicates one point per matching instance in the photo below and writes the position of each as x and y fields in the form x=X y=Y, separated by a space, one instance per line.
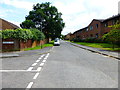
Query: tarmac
x=112 y=54
x=47 y=49
x=25 y=53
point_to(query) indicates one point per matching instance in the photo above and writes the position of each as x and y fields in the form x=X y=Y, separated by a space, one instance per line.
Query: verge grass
x=104 y=46
x=40 y=47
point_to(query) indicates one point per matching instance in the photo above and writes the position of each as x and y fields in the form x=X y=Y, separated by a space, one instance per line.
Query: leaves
x=22 y=34
x=46 y=18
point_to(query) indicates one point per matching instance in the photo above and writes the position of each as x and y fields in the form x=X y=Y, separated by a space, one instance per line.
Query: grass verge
x=40 y=47
x=103 y=46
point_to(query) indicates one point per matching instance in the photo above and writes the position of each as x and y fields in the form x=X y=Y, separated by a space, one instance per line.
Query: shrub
x=22 y=34
x=37 y=35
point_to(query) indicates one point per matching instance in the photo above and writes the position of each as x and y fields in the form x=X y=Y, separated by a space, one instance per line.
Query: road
x=66 y=66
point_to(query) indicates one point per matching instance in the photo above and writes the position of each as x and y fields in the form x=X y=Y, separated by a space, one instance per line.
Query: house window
x=106 y=25
x=91 y=35
x=87 y=29
x=91 y=27
x=96 y=35
x=96 y=25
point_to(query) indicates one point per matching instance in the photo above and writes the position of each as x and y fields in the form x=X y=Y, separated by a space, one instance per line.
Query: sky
x=76 y=14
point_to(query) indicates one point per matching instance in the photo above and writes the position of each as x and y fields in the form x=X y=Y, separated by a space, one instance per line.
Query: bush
x=22 y=34
x=37 y=35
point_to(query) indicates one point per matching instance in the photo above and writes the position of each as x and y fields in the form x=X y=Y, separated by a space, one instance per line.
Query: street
x=65 y=66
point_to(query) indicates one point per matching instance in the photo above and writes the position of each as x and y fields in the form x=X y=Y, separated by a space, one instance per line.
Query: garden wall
x=14 y=44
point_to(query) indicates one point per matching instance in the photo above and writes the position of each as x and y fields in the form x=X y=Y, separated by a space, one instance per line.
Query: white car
x=57 y=42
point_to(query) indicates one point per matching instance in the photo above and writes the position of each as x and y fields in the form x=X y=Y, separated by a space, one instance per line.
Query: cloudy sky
x=77 y=14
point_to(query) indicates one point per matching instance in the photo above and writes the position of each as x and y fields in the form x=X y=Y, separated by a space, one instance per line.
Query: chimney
x=119 y=7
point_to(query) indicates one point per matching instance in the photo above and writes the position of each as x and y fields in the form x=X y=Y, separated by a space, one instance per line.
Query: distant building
x=97 y=28
x=7 y=25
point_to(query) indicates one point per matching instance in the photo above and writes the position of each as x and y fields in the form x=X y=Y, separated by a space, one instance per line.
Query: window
x=96 y=25
x=91 y=35
x=87 y=29
x=106 y=25
x=96 y=35
x=91 y=27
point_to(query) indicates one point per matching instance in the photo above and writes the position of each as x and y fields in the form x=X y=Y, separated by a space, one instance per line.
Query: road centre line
x=30 y=68
x=44 y=61
x=36 y=75
x=30 y=85
x=37 y=60
x=39 y=69
x=34 y=64
x=41 y=64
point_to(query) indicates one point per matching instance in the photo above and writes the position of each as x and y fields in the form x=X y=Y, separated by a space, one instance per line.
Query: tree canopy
x=46 y=18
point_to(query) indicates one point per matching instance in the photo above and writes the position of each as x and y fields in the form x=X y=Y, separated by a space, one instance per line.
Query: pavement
x=112 y=54
x=24 y=53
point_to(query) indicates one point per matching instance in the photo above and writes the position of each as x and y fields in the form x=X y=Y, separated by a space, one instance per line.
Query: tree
x=46 y=18
x=114 y=35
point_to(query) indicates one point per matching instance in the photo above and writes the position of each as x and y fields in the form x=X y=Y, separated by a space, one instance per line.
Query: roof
x=13 y=25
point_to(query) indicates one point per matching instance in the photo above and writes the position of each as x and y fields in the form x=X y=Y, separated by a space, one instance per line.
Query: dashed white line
x=41 y=64
x=39 y=69
x=30 y=85
x=36 y=75
x=34 y=64
x=37 y=60
x=30 y=68
x=43 y=55
x=44 y=61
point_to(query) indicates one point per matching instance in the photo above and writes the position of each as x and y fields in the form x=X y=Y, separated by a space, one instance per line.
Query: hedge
x=22 y=34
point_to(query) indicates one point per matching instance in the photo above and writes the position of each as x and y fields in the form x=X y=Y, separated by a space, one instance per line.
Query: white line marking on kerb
x=30 y=68
x=34 y=64
x=36 y=75
x=37 y=60
x=30 y=85
x=39 y=69
x=41 y=64
x=44 y=61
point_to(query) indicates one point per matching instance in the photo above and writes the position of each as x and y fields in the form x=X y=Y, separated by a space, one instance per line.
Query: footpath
x=112 y=54
x=25 y=53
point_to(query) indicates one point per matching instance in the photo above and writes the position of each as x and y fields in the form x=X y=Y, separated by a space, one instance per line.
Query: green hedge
x=22 y=34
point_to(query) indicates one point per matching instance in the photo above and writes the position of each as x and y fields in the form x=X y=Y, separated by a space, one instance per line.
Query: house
x=97 y=28
x=7 y=25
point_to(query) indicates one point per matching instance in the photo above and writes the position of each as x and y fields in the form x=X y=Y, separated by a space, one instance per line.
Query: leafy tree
x=46 y=18
x=37 y=35
x=113 y=36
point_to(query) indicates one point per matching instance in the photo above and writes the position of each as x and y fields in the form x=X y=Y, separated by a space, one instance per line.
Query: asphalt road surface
x=66 y=66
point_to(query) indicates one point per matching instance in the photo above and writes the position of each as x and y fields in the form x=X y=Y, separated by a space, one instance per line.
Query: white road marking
x=37 y=60
x=36 y=75
x=43 y=55
x=41 y=64
x=39 y=69
x=30 y=68
x=34 y=64
x=30 y=85
x=44 y=61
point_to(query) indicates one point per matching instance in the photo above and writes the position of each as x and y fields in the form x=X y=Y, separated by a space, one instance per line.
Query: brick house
x=7 y=25
x=97 y=28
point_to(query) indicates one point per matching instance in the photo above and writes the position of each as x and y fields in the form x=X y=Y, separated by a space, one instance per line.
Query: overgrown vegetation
x=22 y=34
x=45 y=18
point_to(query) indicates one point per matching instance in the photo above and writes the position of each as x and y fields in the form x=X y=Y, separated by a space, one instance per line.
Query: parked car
x=57 y=42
